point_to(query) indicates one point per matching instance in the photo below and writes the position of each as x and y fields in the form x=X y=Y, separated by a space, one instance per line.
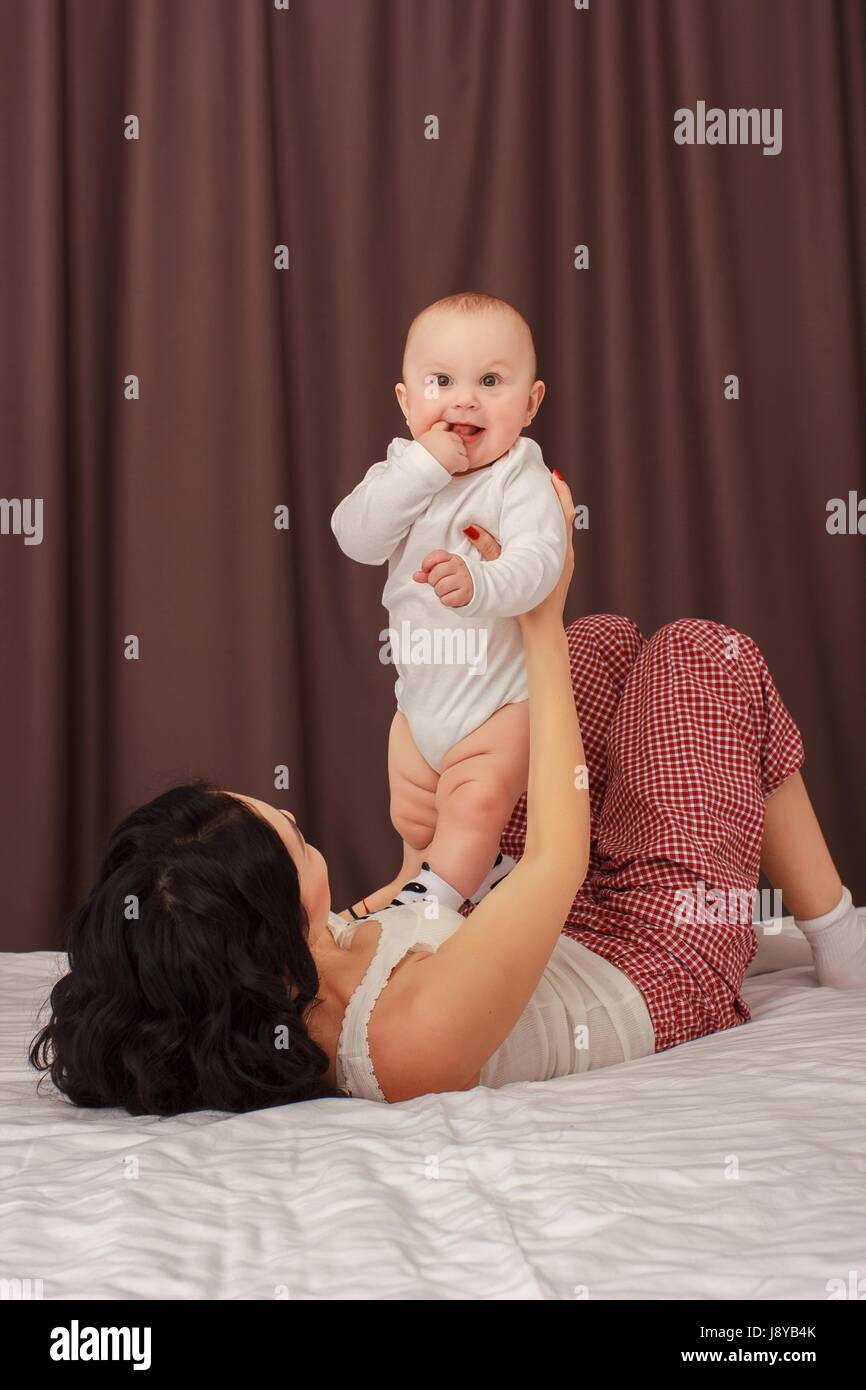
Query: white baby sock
x=838 y=942
x=502 y=866
x=428 y=885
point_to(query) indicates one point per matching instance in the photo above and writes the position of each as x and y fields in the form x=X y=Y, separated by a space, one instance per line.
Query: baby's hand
x=447 y=446
x=449 y=575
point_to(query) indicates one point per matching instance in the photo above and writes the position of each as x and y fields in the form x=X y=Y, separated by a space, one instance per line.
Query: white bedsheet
x=730 y=1167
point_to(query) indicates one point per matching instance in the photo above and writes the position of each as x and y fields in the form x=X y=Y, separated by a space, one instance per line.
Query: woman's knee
x=707 y=635
x=607 y=630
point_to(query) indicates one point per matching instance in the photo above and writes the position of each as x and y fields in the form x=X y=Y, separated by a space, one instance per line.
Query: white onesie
x=456 y=666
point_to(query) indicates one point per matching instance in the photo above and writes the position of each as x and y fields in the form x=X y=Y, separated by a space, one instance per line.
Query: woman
x=206 y=970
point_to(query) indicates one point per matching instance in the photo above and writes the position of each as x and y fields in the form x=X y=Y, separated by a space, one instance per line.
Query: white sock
x=426 y=885
x=502 y=866
x=838 y=942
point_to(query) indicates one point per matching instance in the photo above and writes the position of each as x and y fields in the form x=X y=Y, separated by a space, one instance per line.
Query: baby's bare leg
x=413 y=811
x=483 y=776
x=413 y=785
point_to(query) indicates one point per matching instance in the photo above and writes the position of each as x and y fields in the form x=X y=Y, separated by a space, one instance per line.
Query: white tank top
x=543 y=1042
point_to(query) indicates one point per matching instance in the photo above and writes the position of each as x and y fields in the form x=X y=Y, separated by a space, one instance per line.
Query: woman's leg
x=796 y=860
x=700 y=740
x=794 y=854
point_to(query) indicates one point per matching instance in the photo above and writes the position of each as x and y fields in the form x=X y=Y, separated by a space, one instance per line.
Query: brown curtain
x=306 y=125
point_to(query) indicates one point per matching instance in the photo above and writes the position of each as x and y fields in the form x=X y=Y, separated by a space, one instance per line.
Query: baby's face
x=471 y=368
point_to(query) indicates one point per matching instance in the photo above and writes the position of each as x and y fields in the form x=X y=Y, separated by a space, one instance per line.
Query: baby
x=458 y=751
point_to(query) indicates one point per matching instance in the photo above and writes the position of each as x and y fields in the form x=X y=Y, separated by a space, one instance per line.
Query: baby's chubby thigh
x=484 y=775
x=413 y=784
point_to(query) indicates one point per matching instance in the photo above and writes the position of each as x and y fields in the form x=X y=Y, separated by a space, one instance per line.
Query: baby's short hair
x=473 y=302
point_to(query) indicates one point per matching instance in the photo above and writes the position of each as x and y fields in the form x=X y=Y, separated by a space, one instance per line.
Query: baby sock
x=502 y=866
x=428 y=885
x=838 y=942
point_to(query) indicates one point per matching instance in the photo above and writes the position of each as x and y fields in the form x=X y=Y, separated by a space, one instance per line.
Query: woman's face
x=311 y=866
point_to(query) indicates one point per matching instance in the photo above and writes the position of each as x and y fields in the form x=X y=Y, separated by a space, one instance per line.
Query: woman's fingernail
x=557 y=474
x=472 y=532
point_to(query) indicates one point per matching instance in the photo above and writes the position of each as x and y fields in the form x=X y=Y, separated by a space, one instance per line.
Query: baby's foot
x=428 y=886
x=502 y=866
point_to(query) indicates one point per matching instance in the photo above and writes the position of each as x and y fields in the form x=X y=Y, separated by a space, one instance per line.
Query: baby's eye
x=442 y=379
x=491 y=377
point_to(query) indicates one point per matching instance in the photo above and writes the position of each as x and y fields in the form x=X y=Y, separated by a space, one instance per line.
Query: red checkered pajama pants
x=685 y=738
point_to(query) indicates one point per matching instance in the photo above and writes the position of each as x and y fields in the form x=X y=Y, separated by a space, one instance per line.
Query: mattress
x=733 y=1166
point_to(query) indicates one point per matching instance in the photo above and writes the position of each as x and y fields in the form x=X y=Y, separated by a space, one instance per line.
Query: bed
x=731 y=1167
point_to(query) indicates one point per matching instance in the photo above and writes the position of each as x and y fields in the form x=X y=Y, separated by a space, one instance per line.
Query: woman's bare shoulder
x=400 y=1044
x=406 y=1061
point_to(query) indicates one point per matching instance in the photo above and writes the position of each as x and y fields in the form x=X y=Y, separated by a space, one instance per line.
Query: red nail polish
x=557 y=474
x=472 y=532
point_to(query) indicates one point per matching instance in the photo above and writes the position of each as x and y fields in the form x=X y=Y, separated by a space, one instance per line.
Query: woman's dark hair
x=180 y=962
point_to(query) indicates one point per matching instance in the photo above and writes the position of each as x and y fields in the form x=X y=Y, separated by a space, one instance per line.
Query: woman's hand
x=553 y=606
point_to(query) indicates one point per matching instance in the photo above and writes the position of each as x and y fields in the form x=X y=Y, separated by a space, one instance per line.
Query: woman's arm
x=466 y=998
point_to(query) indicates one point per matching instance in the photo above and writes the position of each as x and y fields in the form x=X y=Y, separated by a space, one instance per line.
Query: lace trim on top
x=424 y=936
x=364 y=1059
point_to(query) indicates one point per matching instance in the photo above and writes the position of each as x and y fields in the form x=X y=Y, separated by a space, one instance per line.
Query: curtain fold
x=166 y=386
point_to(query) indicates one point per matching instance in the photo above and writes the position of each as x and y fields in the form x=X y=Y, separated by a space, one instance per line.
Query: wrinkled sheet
x=730 y=1167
